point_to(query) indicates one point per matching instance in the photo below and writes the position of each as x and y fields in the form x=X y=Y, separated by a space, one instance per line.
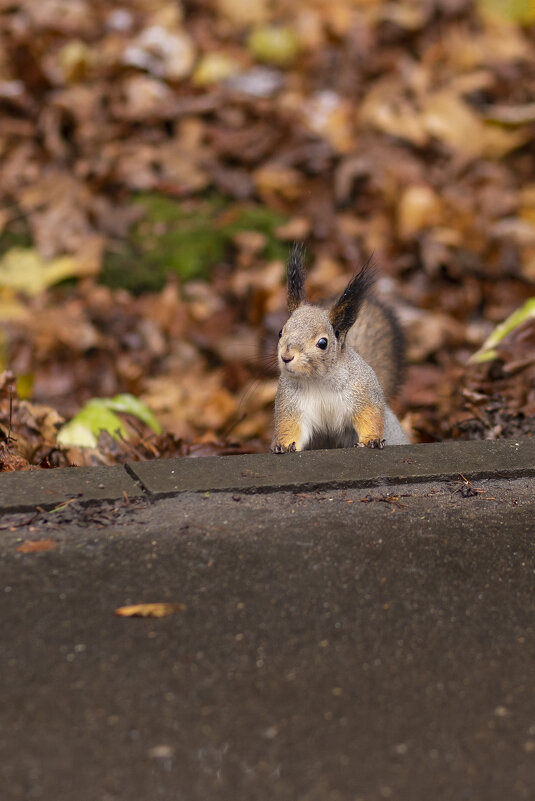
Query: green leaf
x=129 y=404
x=84 y=428
x=487 y=351
x=99 y=414
x=76 y=434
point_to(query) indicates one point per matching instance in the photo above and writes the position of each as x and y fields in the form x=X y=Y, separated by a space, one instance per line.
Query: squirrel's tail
x=378 y=338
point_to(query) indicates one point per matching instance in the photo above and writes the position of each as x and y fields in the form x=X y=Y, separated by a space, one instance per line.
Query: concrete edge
x=267 y=473
x=47 y=489
x=354 y=467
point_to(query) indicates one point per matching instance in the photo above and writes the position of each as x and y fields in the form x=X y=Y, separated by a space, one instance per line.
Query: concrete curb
x=50 y=488
x=305 y=471
x=353 y=467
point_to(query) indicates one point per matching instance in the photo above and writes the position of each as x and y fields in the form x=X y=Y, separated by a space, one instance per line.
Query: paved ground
x=339 y=644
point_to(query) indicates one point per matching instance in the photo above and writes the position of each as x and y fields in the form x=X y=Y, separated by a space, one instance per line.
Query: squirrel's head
x=308 y=345
x=312 y=339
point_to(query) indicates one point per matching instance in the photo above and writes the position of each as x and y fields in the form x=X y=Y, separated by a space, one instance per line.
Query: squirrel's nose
x=286 y=359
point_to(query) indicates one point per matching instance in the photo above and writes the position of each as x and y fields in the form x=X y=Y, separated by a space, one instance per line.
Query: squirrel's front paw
x=372 y=443
x=279 y=448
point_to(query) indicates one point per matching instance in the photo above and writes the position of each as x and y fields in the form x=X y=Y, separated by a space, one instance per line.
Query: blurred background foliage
x=158 y=158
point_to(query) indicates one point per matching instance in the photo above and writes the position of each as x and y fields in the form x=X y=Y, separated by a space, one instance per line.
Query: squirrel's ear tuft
x=295 y=270
x=345 y=311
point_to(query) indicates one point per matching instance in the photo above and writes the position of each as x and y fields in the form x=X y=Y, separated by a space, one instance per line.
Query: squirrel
x=339 y=368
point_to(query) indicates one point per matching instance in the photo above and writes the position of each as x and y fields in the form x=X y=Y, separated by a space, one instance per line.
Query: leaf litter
x=159 y=159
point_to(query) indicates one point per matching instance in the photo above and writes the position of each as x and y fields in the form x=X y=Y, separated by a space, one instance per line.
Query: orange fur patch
x=287 y=431
x=369 y=424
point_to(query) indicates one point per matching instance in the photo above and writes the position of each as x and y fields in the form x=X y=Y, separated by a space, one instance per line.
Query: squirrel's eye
x=280 y=333
x=322 y=343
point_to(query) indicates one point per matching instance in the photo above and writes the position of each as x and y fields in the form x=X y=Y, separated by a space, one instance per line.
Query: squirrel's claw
x=278 y=448
x=372 y=443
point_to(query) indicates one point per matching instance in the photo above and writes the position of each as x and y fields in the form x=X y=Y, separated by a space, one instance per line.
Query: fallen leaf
x=521 y=11
x=487 y=352
x=419 y=207
x=161 y=752
x=150 y=610
x=327 y=115
x=405 y=15
x=23 y=269
x=99 y=414
x=257 y=82
x=36 y=546
x=213 y=68
x=142 y=96
x=386 y=108
x=84 y=428
x=239 y=13
x=11 y=309
x=74 y=60
x=450 y=120
x=273 y=44
x=128 y=404
x=163 y=53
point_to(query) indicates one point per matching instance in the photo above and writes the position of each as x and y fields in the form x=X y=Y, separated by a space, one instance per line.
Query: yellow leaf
x=11 y=308
x=213 y=68
x=273 y=44
x=24 y=270
x=519 y=11
x=450 y=120
x=150 y=610
x=74 y=60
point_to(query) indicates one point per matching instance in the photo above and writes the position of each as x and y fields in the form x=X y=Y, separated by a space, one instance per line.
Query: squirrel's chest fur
x=325 y=413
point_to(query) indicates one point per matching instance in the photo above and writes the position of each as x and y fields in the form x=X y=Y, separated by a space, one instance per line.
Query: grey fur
x=323 y=390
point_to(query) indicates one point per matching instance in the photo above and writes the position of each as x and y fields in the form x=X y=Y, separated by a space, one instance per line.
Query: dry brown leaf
x=411 y=16
x=40 y=418
x=387 y=108
x=467 y=48
x=419 y=207
x=150 y=610
x=240 y=13
x=37 y=546
x=450 y=120
x=142 y=96
x=272 y=180
x=161 y=52
x=329 y=116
